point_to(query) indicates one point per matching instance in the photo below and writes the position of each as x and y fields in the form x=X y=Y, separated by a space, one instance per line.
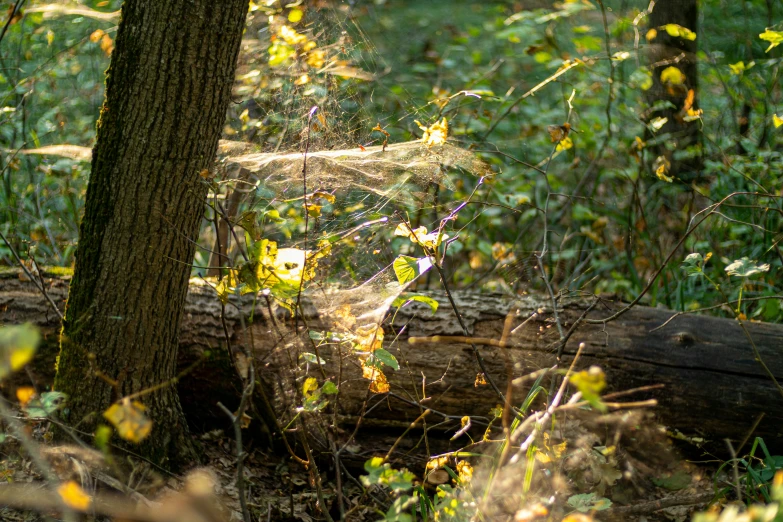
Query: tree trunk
x=713 y=386
x=167 y=91
x=667 y=51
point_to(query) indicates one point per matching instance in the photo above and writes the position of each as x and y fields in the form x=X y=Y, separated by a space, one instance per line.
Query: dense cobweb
x=305 y=150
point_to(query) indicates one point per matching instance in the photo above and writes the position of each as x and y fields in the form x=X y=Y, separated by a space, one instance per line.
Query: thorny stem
x=311 y=464
x=476 y=353
x=402 y=436
x=313 y=110
x=544 y=250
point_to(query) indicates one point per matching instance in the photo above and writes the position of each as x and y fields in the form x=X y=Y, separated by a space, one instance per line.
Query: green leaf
x=102 y=437
x=589 y=502
x=312 y=358
x=590 y=383
x=382 y=474
x=48 y=403
x=692 y=264
x=386 y=358
x=408 y=268
x=405 y=299
x=329 y=388
x=249 y=222
x=745 y=268
x=674 y=482
x=274 y=216
x=641 y=78
x=17 y=346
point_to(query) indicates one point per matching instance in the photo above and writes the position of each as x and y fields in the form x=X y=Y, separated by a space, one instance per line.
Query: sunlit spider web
x=303 y=136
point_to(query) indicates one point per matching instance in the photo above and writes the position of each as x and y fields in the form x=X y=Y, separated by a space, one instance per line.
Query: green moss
x=58 y=271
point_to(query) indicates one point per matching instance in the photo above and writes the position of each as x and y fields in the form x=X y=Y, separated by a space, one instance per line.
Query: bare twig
x=38 y=285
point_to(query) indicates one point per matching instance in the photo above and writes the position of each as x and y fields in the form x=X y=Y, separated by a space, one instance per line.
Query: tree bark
x=167 y=91
x=714 y=387
x=675 y=51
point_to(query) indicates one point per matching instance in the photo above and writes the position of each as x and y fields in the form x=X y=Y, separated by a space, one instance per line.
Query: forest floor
x=277 y=488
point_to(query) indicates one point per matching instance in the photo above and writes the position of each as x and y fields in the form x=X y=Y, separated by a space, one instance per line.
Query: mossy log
x=713 y=387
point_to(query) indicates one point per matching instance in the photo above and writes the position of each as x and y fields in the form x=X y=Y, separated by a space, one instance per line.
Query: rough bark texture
x=713 y=386
x=674 y=51
x=167 y=91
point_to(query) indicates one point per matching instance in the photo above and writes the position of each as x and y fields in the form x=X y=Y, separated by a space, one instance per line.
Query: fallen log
x=712 y=385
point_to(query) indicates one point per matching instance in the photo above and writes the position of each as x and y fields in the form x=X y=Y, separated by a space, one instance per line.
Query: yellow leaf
x=107 y=44
x=565 y=144
x=368 y=338
x=675 y=31
x=129 y=419
x=96 y=35
x=436 y=133
x=577 y=517
x=24 y=394
x=737 y=68
x=437 y=463
x=465 y=471
x=590 y=382
x=291 y=37
x=316 y=59
x=379 y=383
x=302 y=80
x=559 y=450
x=661 y=165
x=223 y=290
x=49 y=37
x=74 y=496
x=672 y=76
x=658 y=123
x=295 y=15
x=542 y=457
x=693 y=114
x=777 y=120
x=309 y=386
x=774 y=38
x=651 y=34
x=17 y=346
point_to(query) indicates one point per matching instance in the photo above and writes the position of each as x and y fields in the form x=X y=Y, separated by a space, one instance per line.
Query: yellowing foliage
x=17 y=346
x=661 y=165
x=74 y=496
x=24 y=394
x=129 y=419
x=436 y=133
x=465 y=471
x=379 y=383
x=675 y=31
x=309 y=386
x=421 y=236
x=774 y=38
x=672 y=76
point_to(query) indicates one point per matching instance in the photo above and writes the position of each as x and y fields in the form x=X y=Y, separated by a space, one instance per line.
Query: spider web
x=304 y=136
